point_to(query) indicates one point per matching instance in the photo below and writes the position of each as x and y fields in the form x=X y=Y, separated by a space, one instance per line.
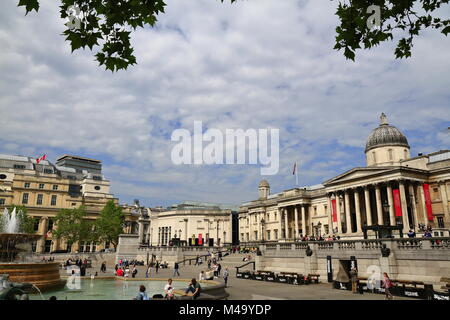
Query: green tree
x=109 y=225
x=405 y=18
x=109 y=23
x=72 y=226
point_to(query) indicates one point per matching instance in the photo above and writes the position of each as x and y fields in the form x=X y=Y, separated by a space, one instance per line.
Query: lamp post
x=262 y=229
x=386 y=207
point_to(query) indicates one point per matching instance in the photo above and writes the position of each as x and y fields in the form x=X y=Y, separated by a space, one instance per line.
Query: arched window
x=374 y=157
x=405 y=152
x=391 y=157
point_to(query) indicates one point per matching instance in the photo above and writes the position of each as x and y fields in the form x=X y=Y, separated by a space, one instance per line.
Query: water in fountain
x=9 y=222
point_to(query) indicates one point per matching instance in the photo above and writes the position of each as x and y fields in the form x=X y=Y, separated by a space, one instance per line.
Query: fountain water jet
x=12 y=243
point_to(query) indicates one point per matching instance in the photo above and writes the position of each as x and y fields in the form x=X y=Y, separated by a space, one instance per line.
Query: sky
x=254 y=64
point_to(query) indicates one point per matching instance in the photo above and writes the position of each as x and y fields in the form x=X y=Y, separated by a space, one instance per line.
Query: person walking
x=157 y=267
x=225 y=276
x=354 y=279
x=387 y=285
x=175 y=269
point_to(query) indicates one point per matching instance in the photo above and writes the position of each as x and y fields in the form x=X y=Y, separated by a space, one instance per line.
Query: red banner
x=200 y=239
x=334 y=212
x=426 y=191
x=397 y=202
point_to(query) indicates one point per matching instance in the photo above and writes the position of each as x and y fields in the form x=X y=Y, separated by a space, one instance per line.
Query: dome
x=386 y=135
x=263 y=184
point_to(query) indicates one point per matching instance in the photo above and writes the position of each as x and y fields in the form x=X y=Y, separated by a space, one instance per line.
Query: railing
x=246 y=264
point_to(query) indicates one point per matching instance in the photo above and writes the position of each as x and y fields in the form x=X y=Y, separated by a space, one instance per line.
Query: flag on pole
x=41 y=158
x=295 y=172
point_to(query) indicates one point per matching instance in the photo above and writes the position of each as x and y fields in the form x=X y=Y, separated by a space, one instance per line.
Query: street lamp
x=386 y=207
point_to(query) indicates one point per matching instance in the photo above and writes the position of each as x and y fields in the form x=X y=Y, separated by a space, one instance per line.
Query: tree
x=358 y=28
x=110 y=223
x=73 y=226
x=109 y=23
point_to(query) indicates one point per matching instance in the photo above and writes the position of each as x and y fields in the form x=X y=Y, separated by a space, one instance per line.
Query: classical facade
x=189 y=223
x=45 y=188
x=392 y=190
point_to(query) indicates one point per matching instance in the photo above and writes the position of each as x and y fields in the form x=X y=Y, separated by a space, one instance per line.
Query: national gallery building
x=391 y=195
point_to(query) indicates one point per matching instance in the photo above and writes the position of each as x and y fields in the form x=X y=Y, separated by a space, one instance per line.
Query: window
x=72 y=177
x=326 y=228
x=36 y=223
x=55 y=187
x=405 y=152
x=2 y=176
x=315 y=210
x=391 y=157
x=19 y=166
x=275 y=235
x=25 y=198
x=50 y=225
x=97 y=188
x=2 y=201
x=41 y=186
x=268 y=234
x=440 y=221
x=39 y=199
x=97 y=177
x=53 y=201
x=26 y=185
x=374 y=157
x=48 y=171
x=275 y=216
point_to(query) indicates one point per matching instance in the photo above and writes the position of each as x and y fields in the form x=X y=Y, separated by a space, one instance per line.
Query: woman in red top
x=387 y=285
x=119 y=272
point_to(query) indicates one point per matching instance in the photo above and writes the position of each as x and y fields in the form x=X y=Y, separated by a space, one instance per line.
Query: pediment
x=357 y=173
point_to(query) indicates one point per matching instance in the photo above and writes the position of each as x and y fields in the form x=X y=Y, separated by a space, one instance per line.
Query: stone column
x=330 y=216
x=348 y=221
x=423 y=205
x=303 y=220
x=404 y=206
x=391 y=205
x=444 y=197
x=42 y=230
x=413 y=204
x=379 y=205
x=141 y=230
x=358 y=211
x=280 y=231
x=338 y=213
x=367 y=204
x=286 y=225
x=296 y=222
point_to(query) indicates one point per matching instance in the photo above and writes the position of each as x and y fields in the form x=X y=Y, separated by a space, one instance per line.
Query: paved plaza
x=243 y=289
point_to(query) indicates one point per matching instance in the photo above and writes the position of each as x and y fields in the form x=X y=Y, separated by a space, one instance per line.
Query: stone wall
x=421 y=259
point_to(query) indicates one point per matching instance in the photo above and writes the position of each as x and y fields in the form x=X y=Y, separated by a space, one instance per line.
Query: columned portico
x=297 y=235
x=286 y=225
x=303 y=220
x=401 y=184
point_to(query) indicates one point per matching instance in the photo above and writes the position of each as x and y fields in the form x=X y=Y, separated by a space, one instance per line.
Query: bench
x=314 y=277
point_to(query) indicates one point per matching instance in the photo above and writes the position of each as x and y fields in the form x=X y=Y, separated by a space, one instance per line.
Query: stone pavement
x=243 y=289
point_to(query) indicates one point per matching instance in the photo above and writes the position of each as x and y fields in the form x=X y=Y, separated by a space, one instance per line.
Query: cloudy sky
x=253 y=64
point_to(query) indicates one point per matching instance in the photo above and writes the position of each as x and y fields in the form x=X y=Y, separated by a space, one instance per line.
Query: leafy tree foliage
x=107 y=24
x=109 y=225
x=404 y=17
x=73 y=226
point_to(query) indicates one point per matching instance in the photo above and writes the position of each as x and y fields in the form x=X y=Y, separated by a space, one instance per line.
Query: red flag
x=426 y=191
x=41 y=158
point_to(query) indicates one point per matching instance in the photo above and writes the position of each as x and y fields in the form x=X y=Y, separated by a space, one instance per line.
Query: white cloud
x=253 y=64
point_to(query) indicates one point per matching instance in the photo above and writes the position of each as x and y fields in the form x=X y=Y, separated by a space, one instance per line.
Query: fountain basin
x=45 y=276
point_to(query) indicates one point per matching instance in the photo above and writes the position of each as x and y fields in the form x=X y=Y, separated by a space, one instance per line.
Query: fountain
x=13 y=242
